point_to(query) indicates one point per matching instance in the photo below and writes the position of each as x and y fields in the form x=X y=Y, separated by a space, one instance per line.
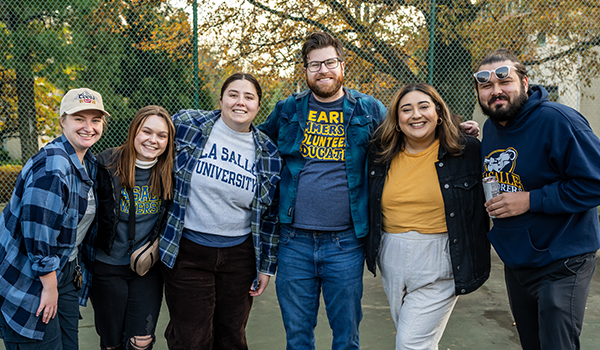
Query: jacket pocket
x=516 y=250
x=465 y=183
x=182 y=156
x=288 y=133
x=360 y=129
x=465 y=190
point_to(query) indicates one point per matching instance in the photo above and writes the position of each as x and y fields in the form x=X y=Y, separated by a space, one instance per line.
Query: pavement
x=480 y=320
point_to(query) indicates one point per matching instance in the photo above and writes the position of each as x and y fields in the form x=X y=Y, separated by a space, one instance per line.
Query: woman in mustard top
x=428 y=222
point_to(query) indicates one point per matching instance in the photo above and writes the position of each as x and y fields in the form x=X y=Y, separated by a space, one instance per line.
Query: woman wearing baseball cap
x=47 y=233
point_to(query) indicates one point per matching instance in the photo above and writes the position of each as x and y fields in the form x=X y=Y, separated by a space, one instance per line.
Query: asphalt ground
x=480 y=320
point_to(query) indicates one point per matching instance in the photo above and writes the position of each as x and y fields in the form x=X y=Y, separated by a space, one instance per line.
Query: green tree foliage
x=47 y=98
x=387 y=41
x=33 y=40
x=142 y=50
x=133 y=52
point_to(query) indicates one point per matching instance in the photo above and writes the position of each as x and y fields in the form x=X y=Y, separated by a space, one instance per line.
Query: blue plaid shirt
x=38 y=229
x=192 y=129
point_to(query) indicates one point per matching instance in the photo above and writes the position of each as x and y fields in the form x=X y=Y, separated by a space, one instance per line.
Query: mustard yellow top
x=412 y=199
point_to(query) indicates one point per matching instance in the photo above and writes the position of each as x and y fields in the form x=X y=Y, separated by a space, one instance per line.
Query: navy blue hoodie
x=550 y=151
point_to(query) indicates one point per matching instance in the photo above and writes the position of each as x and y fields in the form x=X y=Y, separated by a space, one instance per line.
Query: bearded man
x=547 y=162
x=322 y=134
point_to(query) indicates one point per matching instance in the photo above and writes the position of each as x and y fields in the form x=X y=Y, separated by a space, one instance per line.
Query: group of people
x=332 y=178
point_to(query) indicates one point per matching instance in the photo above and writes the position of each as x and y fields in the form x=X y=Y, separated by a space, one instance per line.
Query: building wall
x=13 y=145
x=590 y=103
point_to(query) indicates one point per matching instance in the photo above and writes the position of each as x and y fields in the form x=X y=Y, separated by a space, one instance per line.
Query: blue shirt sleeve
x=271 y=125
x=43 y=207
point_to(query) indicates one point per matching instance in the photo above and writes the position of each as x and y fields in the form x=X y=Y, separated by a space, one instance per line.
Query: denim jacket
x=466 y=219
x=192 y=129
x=286 y=124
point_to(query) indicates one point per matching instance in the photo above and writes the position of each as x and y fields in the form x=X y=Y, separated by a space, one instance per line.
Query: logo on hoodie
x=501 y=163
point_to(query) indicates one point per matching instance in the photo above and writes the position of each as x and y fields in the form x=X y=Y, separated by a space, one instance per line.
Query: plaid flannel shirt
x=192 y=129
x=38 y=229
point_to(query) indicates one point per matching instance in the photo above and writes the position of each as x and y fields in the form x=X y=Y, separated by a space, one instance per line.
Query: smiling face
x=152 y=138
x=239 y=105
x=82 y=129
x=417 y=118
x=502 y=100
x=326 y=84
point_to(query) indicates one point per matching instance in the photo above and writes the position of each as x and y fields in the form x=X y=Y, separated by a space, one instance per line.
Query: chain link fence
x=141 y=52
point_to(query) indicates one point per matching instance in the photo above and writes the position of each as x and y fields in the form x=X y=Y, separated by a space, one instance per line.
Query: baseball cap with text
x=82 y=99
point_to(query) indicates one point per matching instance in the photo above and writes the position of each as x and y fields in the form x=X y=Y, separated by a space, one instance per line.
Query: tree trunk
x=452 y=77
x=26 y=107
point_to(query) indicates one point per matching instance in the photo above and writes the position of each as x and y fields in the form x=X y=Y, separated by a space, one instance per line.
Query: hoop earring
x=440 y=121
x=398 y=128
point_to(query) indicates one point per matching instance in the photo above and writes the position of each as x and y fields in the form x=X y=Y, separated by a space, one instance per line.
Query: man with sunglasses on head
x=547 y=162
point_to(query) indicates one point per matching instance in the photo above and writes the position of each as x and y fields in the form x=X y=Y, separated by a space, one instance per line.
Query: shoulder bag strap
x=131 y=220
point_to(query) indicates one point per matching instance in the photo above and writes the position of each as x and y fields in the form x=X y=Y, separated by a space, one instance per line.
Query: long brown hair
x=161 y=179
x=390 y=141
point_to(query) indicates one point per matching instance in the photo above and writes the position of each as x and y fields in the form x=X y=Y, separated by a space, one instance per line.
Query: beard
x=325 y=92
x=507 y=112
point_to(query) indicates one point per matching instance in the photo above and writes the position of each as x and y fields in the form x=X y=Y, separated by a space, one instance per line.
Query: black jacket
x=466 y=218
x=109 y=197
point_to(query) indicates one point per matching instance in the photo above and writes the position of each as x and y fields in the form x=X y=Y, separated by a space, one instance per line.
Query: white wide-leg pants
x=418 y=281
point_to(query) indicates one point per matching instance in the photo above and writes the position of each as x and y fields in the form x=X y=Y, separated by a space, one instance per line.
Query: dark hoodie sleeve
x=575 y=154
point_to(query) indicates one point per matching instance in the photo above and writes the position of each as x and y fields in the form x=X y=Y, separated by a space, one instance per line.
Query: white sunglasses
x=502 y=72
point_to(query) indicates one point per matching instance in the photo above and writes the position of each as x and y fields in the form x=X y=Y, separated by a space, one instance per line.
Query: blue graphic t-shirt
x=323 y=201
x=147 y=209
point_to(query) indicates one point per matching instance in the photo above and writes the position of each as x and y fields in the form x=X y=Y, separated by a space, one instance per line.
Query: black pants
x=207 y=293
x=548 y=303
x=125 y=304
x=62 y=331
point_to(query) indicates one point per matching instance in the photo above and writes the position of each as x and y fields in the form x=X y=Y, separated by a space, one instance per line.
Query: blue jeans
x=311 y=261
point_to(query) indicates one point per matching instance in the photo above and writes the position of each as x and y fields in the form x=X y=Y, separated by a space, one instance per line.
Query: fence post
x=195 y=45
x=431 y=42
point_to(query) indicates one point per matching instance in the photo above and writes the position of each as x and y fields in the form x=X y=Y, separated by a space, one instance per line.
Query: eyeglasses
x=502 y=72
x=330 y=63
